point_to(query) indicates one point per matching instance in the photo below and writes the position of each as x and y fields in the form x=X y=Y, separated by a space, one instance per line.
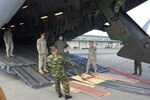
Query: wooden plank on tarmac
x=92 y=86
x=88 y=90
x=103 y=76
x=113 y=77
x=2 y=96
x=93 y=80
x=73 y=90
x=78 y=78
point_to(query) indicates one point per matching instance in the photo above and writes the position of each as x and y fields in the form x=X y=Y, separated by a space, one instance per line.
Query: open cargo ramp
x=24 y=64
x=31 y=76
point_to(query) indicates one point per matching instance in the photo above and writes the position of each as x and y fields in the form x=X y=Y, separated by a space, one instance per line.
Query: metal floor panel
x=35 y=74
x=24 y=64
x=28 y=55
x=5 y=67
x=21 y=58
x=7 y=60
x=32 y=77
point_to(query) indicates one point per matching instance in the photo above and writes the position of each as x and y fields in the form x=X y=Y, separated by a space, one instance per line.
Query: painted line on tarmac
x=130 y=76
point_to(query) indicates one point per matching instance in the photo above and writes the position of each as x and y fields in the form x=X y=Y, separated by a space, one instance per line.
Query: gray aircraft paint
x=8 y=10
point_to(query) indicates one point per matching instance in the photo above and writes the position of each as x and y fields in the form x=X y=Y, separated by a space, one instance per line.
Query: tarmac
x=15 y=89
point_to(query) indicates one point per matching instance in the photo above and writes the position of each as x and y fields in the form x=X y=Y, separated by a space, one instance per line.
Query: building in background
x=100 y=41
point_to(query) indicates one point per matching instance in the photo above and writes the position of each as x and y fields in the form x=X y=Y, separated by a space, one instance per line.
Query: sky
x=140 y=14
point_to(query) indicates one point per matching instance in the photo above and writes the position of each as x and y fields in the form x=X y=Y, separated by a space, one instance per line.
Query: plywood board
x=92 y=86
x=88 y=90
x=2 y=96
x=73 y=90
x=78 y=78
x=123 y=79
x=103 y=76
x=93 y=80
x=113 y=77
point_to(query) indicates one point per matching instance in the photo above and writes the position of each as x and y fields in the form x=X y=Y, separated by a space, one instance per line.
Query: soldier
x=118 y=4
x=91 y=57
x=8 y=42
x=60 y=45
x=137 y=66
x=42 y=53
x=56 y=64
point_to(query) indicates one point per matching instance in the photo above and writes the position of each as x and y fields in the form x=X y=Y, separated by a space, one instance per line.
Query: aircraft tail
x=137 y=46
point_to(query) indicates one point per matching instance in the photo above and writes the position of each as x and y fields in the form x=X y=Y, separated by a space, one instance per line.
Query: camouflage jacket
x=137 y=63
x=56 y=64
x=92 y=53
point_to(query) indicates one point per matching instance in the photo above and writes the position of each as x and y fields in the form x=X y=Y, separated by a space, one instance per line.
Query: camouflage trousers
x=64 y=81
x=137 y=66
x=93 y=62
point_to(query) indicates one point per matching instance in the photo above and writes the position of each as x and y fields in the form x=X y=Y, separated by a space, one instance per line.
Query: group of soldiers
x=56 y=60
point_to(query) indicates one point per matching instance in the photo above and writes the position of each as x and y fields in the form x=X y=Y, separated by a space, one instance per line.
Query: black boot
x=60 y=95
x=68 y=97
x=140 y=73
x=135 y=73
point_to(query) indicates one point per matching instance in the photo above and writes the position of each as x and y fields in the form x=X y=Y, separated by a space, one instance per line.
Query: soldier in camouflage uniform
x=118 y=4
x=56 y=64
x=60 y=45
x=137 y=66
x=91 y=57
